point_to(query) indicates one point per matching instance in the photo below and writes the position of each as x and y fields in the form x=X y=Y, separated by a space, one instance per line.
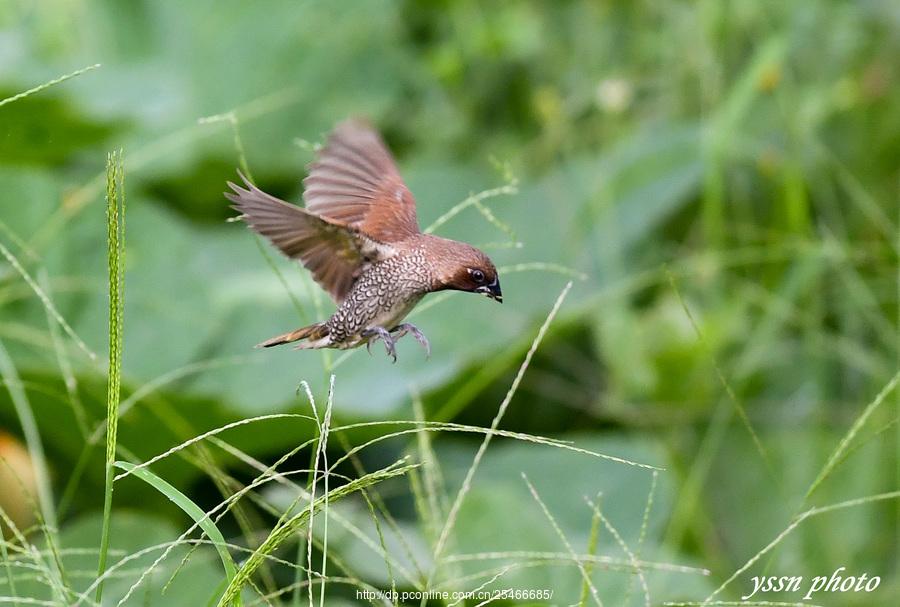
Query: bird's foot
x=376 y=333
x=405 y=328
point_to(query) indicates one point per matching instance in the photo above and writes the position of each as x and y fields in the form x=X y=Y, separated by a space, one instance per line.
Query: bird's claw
x=405 y=328
x=376 y=333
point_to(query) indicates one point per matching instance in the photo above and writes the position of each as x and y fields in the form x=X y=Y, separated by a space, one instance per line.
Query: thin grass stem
x=40 y=88
x=470 y=474
x=115 y=214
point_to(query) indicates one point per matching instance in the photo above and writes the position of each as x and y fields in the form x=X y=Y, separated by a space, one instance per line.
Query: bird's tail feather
x=312 y=332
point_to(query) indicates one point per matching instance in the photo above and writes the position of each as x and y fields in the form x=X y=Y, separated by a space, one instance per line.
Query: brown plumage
x=360 y=239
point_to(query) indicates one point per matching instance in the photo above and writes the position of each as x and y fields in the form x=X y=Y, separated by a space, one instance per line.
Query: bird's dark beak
x=492 y=290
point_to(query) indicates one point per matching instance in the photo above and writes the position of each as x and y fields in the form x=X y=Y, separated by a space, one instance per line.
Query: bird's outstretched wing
x=334 y=254
x=355 y=183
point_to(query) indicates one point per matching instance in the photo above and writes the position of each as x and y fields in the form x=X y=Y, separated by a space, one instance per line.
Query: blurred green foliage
x=735 y=160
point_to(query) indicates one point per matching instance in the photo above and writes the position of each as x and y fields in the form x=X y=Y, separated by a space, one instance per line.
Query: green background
x=719 y=179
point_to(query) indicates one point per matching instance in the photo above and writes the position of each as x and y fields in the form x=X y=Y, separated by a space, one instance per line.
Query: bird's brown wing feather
x=355 y=183
x=334 y=254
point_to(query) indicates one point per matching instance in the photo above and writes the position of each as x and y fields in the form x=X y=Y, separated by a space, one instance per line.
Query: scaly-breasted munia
x=360 y=239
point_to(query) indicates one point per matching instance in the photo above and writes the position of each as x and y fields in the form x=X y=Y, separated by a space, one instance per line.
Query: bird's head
x=465 y=268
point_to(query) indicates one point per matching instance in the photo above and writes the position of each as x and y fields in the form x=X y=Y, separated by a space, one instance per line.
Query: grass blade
x=115 y=215
x=285 y=529
x=192 y=510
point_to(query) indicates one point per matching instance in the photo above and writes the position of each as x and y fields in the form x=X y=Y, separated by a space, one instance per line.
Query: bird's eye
x=477 y=275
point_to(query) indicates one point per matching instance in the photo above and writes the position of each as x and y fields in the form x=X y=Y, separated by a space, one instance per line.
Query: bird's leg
x=376 y=333
x=405 y=328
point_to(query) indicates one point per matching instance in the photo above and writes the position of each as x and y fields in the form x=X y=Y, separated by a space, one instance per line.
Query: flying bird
x=360 y=239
